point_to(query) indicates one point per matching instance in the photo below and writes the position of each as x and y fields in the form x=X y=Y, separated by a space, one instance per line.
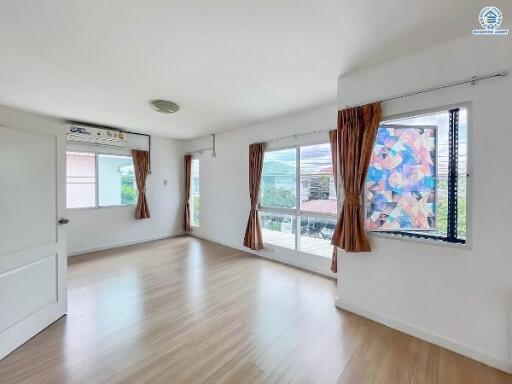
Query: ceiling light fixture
x=164 y=106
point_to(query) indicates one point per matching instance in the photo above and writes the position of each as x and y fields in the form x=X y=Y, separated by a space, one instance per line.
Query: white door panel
x=27 y=189
x=32 y=245
x=42 y=290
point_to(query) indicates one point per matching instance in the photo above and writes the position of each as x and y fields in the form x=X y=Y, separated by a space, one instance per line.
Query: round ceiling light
x=164 y=106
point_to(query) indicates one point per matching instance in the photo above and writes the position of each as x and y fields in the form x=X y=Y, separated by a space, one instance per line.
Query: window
x=116 y=181
x=318 y=191
x=81 y=180
x=278 y=229
x=99 y=180
x=298 y=199
x=278 y=179
x=195 y=188
x=416 y=183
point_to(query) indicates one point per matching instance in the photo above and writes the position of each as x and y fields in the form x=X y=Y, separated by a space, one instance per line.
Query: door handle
x=63 y=220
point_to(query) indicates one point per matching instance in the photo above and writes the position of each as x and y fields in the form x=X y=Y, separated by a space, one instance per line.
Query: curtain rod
x=472 y=80
x=297 y=135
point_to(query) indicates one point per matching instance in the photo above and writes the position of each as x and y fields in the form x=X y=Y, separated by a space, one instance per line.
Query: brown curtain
x=141 y=168
x=253 y=238
x=333 y=140
x=188 y=172
x=357 y=128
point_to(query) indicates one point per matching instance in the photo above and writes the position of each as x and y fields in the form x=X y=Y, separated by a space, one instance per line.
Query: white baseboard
x=268 y=256
x=194 y=233
x=121 y=244
x=430 y=337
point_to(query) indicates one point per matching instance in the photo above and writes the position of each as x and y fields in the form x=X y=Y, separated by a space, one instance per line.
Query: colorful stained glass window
x=401 y=181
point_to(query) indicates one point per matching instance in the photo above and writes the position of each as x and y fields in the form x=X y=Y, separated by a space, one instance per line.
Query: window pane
x=278 y=179
x=278 y=229
x=317 y=187
x=462 y=173
x=194 y=189
x=401 y=181
x=316 y=235
x=116 y=180
x=80 y=180
x=407 y=183
x=461 y=207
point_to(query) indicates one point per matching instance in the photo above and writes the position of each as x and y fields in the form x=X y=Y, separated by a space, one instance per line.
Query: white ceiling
x=227 y=63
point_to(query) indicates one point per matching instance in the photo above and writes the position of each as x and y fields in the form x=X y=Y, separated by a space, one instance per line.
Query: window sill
x=442 y=243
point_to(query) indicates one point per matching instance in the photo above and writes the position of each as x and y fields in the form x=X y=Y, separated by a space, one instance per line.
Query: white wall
x=458 y=297
x=102 y=228
x=224 y=181
x=93 y=229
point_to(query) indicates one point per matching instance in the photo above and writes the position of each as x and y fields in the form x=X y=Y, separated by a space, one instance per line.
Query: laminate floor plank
x=185 y=310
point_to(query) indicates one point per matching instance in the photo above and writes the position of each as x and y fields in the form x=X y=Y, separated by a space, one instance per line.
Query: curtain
x=357 y=128
x=141 y=168
x=333 y=140
x=188 y=174
x=253 y=238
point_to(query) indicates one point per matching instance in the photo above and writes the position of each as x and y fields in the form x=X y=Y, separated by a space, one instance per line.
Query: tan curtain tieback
x=351 y=199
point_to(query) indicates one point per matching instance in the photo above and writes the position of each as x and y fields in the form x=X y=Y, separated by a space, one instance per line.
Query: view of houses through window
x=416 y=185
x=298 y=199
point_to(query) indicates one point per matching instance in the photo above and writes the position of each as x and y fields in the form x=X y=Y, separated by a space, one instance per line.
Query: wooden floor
x=189 y=311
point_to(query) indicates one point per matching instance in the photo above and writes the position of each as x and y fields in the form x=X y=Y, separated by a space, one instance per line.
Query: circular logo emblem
x=490 y=18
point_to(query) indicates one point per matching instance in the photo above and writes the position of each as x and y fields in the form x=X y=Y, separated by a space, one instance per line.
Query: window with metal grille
x=417 y=178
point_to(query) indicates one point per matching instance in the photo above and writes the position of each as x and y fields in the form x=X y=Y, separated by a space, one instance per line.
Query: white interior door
x=33 y=263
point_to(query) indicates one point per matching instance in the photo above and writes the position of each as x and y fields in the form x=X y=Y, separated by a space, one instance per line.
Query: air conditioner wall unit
x=94 y=135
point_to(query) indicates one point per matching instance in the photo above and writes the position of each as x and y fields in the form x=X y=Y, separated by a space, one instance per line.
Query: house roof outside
x=326 y=170
x=277 y=168
x=321 y=206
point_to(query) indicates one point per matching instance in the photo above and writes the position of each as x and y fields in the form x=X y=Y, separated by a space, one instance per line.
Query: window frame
x=297 y=212
x=97 y=153
x=425 y=237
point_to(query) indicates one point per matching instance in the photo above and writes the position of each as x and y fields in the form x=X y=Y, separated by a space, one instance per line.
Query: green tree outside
x=278 y=197
x=129 y=192
x=196 y=202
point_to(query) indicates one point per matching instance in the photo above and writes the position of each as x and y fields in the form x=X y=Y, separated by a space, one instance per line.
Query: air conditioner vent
x=93 y=135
